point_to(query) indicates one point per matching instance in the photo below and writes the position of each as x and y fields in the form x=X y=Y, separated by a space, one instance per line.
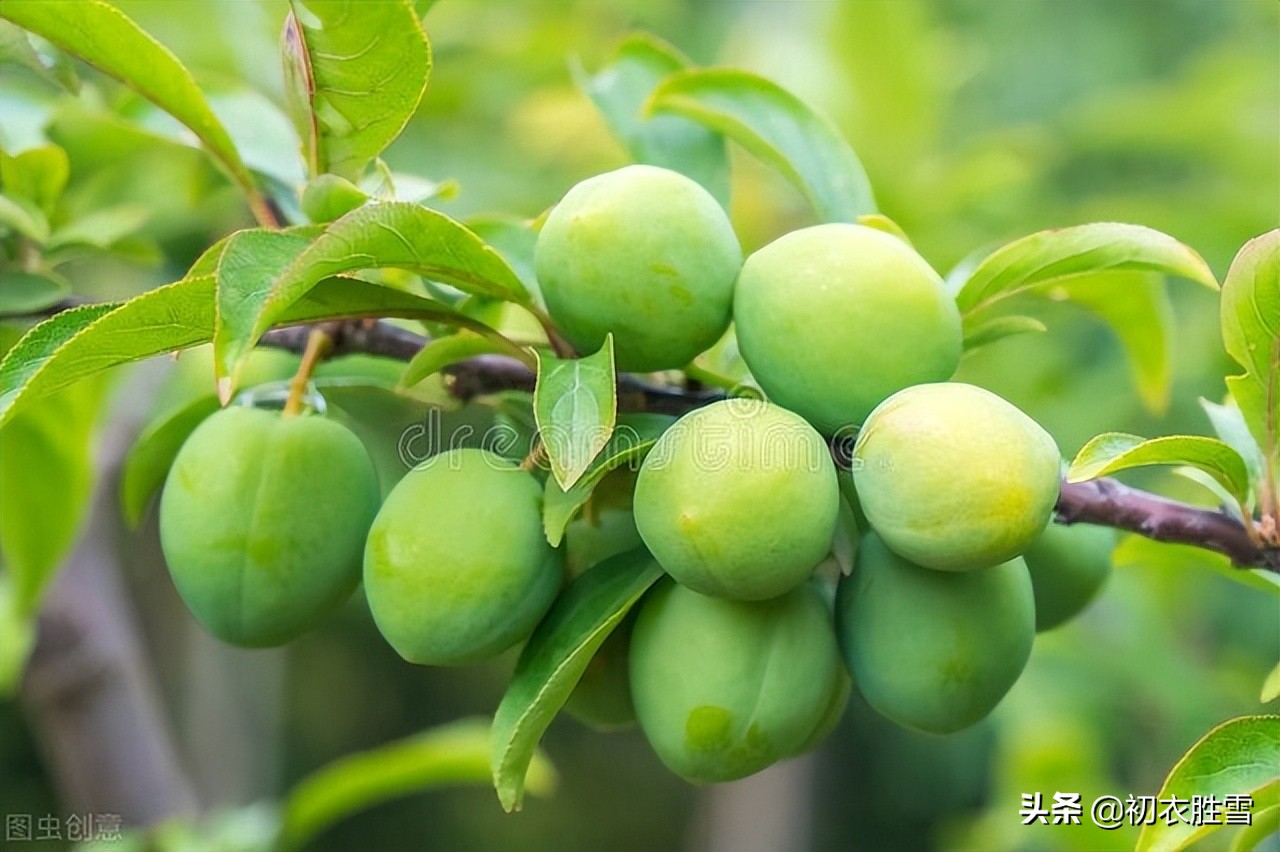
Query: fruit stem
x=536 y=455
x=319 y=342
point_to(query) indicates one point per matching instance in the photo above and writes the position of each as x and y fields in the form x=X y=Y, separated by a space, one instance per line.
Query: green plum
x=738 y=499
x=1069 y=566
x=645 y=253
x=262 y=521
x=606 y=527
x=723 y=688
x=955 y=478
x=834 y=318
x=933 y=651
x=457 y=568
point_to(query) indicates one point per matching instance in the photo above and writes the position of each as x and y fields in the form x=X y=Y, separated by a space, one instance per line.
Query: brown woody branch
x=1105 y=502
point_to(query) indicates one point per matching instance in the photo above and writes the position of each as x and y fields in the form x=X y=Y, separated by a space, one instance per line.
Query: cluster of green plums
x=742 y=654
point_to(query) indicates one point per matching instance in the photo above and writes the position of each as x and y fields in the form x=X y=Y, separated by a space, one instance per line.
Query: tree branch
x=1105 y=502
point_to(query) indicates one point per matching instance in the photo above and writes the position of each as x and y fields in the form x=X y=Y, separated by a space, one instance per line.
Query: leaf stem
x=537 y=453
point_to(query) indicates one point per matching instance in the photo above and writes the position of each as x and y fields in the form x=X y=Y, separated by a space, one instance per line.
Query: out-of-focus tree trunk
x=89 y=691
x=767 y=812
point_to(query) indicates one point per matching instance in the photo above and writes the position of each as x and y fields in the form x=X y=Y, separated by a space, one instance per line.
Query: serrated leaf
x=80 y=342
x=356 y=73
x=445 y=756
x=440 y=353
x=777 y=127
x=1229 y=425
x=1116 y=451
x=576 y=404
x=393 y=234
x=1239 y=757
x=29 y=292
x=149 y=459
x=101 y=35
x=1048 y=256
x=1250 y=315
x=620 y=90
x=1271 y=686
x=514 y=239
x=988 y=331
x=632 y=438
x=1135 y=305
x=554 y=659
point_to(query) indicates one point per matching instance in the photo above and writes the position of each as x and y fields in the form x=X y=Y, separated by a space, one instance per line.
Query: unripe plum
x=457 y=568
x=1068 y=565
x=738 y=499
x=933 y=651
x=724 y=688
x=645 y=253
x=834 y=318
x=955 y=478
x=262 y=521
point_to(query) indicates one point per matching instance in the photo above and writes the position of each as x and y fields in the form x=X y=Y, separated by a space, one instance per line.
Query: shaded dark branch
x=1111 y=503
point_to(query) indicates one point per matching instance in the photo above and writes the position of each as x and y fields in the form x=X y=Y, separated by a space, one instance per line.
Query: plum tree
x=1069 y=566
x=645 y=253
x=953 y=477
x=707 y=695
x=738 y=499
x=262 y=522
x=873 y=316
x=457 y=568
x=934 y=651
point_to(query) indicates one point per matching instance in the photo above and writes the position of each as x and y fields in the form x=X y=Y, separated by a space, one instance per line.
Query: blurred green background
x=978 y=121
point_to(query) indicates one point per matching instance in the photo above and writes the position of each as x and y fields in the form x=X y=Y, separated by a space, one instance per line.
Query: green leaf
x=988 y=331
x=1136 y=550
x=356 y=73
x=80 y=342
x=446 y=756
x=514 y=239
x=440 y=353
x=881 y=222
x=777 y=127
x=329 y=197
x=576 y=403
x=620 y=90
x=1229 y=425
x=17 y=638
x=1250 y=313
x=632 y=438
x=100 y=228
x=101 y=35
x=1047 y=256
x=23 y=217
x=1116 y=451
x=1136 y=307
x=16 y=49
x=1271 y=686
x=37 y=174
x=149 y=460
x=1265 y=823
x=554 y=659
x=28 y=292
x=46 y=481
x=392 y=234
x=1239 y=757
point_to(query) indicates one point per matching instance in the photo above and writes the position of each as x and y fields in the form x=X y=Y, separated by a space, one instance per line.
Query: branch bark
x=1106 y=502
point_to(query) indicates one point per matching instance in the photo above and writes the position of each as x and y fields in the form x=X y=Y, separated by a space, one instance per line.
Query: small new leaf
x=777 y=127
x=554 y=659
x=576 y=404
x=1116 y=451
x=1250 y=315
